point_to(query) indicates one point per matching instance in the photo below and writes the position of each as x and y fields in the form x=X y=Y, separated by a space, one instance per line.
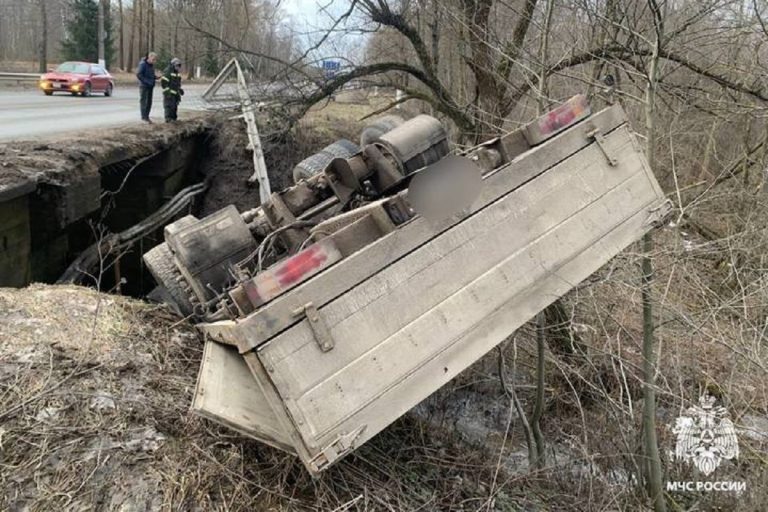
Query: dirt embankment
x=230 y=162
x=66 y=160
x=94 y=416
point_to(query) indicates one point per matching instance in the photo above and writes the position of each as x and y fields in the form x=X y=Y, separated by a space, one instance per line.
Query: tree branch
x=512 y=50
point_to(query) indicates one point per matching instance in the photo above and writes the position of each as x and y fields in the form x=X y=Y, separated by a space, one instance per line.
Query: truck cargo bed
x=407 y=313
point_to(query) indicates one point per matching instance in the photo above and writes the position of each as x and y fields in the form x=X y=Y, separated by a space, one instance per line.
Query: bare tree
x=134 y=26
x=121 y=44
x=654 y=473
x=43 y=50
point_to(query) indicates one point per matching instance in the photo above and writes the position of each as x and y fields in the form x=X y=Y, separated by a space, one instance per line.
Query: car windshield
x=73 y=67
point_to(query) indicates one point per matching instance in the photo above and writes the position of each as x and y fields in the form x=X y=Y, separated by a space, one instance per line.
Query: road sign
x=330 y=68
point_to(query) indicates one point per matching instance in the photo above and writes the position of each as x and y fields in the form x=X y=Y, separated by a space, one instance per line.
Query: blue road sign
x=330 y=68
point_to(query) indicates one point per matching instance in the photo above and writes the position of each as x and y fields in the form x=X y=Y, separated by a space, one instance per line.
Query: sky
x=313 y=14
x=310 y=18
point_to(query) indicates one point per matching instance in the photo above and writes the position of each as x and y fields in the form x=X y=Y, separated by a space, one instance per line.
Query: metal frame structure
x=247 y=107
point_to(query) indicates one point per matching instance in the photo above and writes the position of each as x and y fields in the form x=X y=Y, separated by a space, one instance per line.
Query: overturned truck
x=347 y=299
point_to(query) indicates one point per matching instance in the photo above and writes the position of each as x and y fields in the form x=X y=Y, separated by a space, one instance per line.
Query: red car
x=83 y=78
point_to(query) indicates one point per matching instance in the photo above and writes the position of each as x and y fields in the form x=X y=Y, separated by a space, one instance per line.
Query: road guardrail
x=19 y=77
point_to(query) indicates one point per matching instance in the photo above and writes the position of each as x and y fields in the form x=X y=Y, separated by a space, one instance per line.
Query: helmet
x=176 y=62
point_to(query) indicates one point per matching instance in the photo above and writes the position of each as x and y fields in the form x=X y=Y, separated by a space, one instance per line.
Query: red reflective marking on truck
x=562 y=116
x=288 y=273
x=302 y=263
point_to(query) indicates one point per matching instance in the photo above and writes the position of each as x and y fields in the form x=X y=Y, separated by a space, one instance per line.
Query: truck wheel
x=342 y=148
x=310 y=166
x=379 y=127
x=159 y=261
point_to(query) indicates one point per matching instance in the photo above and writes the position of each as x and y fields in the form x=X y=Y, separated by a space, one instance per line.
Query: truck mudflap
x=396 y=320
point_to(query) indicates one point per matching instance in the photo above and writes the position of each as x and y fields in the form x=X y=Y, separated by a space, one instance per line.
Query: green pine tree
x=81 y=42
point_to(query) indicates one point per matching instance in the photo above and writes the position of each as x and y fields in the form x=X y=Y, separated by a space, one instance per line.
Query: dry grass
x=94 y=413
x=94 y=416
x=707 y=342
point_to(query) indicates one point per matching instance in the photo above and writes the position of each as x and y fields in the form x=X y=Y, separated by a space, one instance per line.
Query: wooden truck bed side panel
x=422 y=314
x=228 y=393
x=478 y=243
x=277 y=315
x=485 y=335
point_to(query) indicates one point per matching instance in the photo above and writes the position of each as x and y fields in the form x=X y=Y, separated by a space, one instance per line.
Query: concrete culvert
x=314 y=164
x=379 y=127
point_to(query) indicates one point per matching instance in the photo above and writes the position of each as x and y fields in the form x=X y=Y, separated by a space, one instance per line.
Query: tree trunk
x=42 y=55
x=543 y=93
x=100 y=33
x=651 y=446
x=151 y=25
x=538 y=407
x=122 y=35
x=140 y=29
x=650 y=443
x=132 y=42
x=175 y=41
x=435 y=29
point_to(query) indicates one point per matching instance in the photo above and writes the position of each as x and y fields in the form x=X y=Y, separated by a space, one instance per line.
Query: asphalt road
x=29 y=114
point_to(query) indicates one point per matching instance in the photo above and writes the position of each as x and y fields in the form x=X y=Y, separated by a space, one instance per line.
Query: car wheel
x=48 y=93
x=108 y=91
x=87 y=90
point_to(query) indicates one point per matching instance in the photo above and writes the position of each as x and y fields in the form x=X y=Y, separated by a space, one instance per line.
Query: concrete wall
x=45 y=228
x=14 y=242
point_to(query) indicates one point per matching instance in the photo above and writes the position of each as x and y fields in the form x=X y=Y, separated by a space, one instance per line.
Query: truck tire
x=342 y=148
x=310 y=166
x=379 y=127
x=314 y=164
x=159 y=261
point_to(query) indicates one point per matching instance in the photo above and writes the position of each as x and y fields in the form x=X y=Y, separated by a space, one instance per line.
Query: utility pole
x=102 y=62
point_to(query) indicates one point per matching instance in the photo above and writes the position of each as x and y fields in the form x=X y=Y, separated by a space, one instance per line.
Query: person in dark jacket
x=172 y=91
x=147 y=78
